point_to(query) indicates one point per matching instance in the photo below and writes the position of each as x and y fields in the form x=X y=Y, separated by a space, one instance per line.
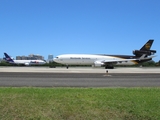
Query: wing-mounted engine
x=139 y=53
x=98 y=64
x=27 y=64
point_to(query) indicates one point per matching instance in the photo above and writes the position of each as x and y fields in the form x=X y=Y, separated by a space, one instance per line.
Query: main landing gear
x=67 y=66
x=109 y=67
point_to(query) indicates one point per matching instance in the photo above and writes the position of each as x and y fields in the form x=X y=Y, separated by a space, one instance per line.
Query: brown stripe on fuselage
x=135 y=61
x=119 y=56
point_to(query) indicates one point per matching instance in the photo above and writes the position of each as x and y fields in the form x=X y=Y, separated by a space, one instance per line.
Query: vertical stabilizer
x=147 y=46
x=8 y=58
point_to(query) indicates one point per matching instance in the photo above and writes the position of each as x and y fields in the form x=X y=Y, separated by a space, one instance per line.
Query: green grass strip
x=79 y=103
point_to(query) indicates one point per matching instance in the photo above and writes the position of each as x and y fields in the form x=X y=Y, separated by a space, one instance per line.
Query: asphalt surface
x=30 y=79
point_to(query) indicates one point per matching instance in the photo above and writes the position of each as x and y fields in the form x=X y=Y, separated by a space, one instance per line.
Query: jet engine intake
x=98 y=64
x=27 y=64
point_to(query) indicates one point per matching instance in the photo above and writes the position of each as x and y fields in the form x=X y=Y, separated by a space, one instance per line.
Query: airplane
x=23 y=62
x=108 y=61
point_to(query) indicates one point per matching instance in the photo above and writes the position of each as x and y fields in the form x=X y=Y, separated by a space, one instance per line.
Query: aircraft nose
x=55 y=59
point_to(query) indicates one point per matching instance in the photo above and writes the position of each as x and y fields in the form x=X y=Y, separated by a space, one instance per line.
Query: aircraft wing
x=120 y=60
x=111 y=62
x=146 y=58
x=104 y=62
x=125 y=60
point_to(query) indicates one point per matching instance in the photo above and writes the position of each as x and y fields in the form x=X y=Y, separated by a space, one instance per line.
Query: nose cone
x=55 y=59
x=43 y=62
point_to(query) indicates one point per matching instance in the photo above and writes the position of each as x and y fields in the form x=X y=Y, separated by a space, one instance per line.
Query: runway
x=80 y=70
x=38 y=77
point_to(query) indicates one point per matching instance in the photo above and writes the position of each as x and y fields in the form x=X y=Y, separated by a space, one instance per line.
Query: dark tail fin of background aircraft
x=8 y=58
x=145 y=50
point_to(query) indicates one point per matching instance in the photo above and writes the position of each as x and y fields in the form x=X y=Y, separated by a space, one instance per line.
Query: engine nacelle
x=27 y=64
x=141 y=52
x=98 y=64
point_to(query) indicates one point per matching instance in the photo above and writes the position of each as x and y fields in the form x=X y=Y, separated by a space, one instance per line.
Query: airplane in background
x=99 y=60
x=23 y=62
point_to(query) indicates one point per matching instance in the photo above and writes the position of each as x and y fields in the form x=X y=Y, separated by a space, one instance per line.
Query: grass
x=79 y=103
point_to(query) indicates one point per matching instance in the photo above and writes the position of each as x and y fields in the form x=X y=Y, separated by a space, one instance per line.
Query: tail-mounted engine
x=139 y=53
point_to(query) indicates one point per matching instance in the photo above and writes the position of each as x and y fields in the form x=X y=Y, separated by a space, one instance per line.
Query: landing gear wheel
x=67 y=66
x=109 y=67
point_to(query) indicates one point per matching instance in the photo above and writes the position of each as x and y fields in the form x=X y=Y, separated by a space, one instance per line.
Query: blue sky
x=78 y=26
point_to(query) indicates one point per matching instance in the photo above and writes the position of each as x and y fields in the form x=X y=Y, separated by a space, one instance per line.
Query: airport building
x=1 y=59
x=30 y=57
x=50 y=58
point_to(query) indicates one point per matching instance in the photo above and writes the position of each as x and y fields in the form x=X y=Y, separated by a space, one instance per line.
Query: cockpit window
x=57 y=57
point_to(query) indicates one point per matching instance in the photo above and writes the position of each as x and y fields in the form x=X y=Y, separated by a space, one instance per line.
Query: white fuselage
x=89 y=59
x=29 y=62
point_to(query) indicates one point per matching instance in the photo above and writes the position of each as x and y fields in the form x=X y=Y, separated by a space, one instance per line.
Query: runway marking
x=74 y=71
x=107 y=75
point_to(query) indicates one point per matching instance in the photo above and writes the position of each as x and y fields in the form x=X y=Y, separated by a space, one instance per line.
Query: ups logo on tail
x=147 y=46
